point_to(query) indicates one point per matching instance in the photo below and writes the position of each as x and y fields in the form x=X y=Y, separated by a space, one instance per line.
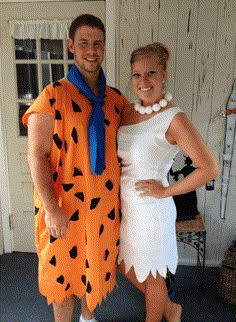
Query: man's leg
x=64 y=311
x=86 y=314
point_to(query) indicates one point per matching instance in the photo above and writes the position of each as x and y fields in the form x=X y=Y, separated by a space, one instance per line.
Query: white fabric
x=148 y=234
x=37 y=29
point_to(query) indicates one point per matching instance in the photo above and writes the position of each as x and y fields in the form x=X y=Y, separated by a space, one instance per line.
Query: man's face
x=88 y=49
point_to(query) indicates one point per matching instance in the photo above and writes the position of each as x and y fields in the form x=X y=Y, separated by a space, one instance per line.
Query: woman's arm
x=182 y=132
x=191 y=142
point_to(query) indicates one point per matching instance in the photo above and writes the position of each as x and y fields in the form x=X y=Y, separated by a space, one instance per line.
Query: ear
x=164 y=75
x=70 y=45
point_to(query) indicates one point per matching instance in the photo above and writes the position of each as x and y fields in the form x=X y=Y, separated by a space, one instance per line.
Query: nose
x=143 y=79
x=91 y=48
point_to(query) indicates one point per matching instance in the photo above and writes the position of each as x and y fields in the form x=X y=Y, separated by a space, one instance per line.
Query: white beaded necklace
x=155 y=107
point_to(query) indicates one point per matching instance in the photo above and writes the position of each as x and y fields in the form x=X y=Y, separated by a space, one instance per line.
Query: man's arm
x=40 y=139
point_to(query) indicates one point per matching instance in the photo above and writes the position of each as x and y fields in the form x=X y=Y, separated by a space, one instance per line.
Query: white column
x=111 y=42
x=5 y=209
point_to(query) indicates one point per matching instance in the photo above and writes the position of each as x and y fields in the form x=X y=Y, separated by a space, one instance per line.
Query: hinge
x=11 y=224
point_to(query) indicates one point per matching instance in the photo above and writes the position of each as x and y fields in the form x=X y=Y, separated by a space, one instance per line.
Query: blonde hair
x=155 y=49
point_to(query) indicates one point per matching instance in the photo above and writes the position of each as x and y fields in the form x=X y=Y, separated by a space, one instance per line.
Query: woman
x=152 y=132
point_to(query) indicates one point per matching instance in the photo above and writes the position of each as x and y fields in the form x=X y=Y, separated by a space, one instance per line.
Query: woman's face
x=147 y=79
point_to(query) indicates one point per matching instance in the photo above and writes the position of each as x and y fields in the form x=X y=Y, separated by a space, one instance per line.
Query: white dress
x=148 y=233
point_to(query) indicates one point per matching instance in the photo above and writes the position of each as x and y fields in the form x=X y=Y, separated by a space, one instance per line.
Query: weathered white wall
x=201 y=37
x=1 y=235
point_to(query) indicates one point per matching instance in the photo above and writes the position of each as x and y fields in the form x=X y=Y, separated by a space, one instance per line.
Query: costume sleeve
x=43 y=104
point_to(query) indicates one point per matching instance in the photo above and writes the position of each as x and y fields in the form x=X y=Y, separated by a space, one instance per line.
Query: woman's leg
x=131 y=277
x=156 y=297
x=64 y=311
x=172 y=311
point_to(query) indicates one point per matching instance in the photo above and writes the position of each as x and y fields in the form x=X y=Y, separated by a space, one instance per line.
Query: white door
x=27 y=65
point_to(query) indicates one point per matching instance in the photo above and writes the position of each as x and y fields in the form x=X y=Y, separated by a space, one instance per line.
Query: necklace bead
x=155 y=107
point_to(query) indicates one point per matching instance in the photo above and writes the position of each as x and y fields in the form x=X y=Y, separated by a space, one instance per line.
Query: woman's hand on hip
x=151 y=188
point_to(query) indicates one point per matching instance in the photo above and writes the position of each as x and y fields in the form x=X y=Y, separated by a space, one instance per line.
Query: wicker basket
x=227 y=290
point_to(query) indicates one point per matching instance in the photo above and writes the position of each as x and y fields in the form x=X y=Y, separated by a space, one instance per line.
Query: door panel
x=20 y=183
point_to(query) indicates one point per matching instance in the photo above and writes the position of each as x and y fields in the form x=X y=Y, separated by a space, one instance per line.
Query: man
x=72 y=129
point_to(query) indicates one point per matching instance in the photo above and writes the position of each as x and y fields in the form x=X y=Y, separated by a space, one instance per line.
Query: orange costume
x=85 y=262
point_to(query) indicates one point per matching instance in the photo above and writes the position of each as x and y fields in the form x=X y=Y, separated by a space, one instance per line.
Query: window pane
x=51 y=49
x=51 y=73
x=25 y=48
x=22 y=108
x=27 y=81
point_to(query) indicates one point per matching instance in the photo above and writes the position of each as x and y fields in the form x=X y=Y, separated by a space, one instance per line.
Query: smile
x=91 y=59
x=145 y=89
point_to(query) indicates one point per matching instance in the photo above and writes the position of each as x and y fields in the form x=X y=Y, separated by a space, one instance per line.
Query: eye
x=83 y=43
x=135 y=75
x=98 y=44
x=152 y=72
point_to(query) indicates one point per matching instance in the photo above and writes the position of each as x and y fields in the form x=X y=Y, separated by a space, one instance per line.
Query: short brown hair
x=155 y=49
x=86 y=20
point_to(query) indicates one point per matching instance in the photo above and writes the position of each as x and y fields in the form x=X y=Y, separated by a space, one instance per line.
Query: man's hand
x=57 y=223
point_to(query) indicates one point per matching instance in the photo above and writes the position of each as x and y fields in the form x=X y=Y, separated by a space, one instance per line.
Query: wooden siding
x=201 y=36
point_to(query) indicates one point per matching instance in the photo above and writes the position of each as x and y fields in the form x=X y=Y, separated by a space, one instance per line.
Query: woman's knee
x=154 y=281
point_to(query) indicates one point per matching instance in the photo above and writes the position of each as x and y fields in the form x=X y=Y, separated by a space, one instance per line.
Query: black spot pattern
x=107 y=122
x=52 y=239
x=94 y=203
x=57 y=141
x=117 y=110
x=108 y=276
x=67 y=287
x=73 y=252
x=60 y=279
x=67 y=186
x=74 y=135
x=55 y=176
x=77 y=172
x=65 y=146
x=83 y=279
x=60 y=163
x=101 y=229
x=36 y=210
x=89 y=288
x=106 y=254
x=109 y=185
x=118 y=242
x=53 y=261
x=80 y=196
x=75 y=216
x=116 y=90
x=58 y=115
x=52 y=101
x=76 y=107
x=56 y=84
x=112 y=214
x=86 y=264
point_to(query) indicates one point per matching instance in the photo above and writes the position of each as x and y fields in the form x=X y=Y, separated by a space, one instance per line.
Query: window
x=41 y=57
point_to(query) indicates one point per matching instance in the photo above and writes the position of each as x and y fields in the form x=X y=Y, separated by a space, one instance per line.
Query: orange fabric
x=84 y=263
